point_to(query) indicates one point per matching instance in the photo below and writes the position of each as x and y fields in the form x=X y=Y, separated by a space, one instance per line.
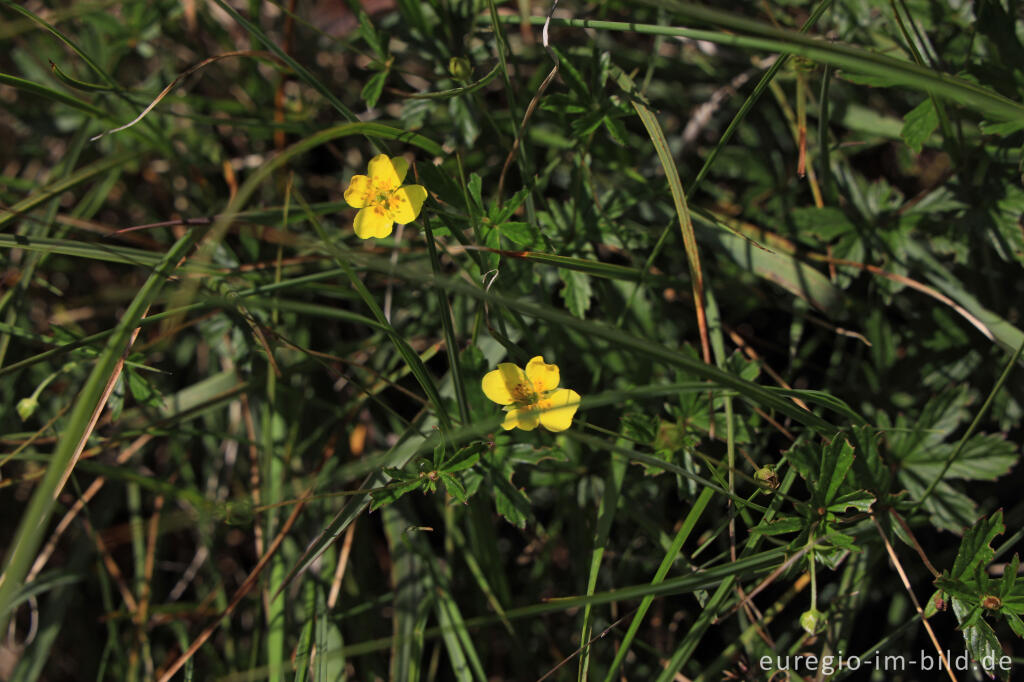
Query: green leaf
x=370 y=35
x=821 y=224
x=919 y=124
x=77 y=84
x=788 y=524
x=466 y=120
x=523 y=234
x=836 y=460
x=391 y=492
x=577 y=292
x=499 y=214
x=475 y=187
x=975 y=549
x=464 y=458
x=786 y=271
x=1009 y=577
x=511 y=502
x=1016 y=624
x=872 y=79
x=454 y=488
x=1001 y=128
x=803 y=457
x=584 y=125
x=1005 y=214
x=841 y=541
x=572 y=76
x=616 y=130
x=980 y=638
x=949 y=508
x=957 y=588
x=115 y=403
x=373 y=88
x=861 y=500
x=141 y=389
x=985 y=457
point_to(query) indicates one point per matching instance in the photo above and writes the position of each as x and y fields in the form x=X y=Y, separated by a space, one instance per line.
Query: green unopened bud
x=812 y=621
x=460 y=68
x=767 y=478
x=27 y=407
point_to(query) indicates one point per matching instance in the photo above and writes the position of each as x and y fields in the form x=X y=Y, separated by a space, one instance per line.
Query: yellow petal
x=358 y=193
x=383 y=174
x=373 y=221
x=407 y=202
x=498 y=384
x=543 y=376
x=525 y=418
x=401 y=167
x=558 y=409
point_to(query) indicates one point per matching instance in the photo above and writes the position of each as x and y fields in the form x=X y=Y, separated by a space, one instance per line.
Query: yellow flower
x=381 y=198
x=532 y=397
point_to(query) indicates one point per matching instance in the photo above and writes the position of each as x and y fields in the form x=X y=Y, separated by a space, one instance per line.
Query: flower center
x=523 y=394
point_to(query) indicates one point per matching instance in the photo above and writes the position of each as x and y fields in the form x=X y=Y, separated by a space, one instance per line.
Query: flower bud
x=26 y=407
x=460 y=68
x=812 y=621
x=767 y=478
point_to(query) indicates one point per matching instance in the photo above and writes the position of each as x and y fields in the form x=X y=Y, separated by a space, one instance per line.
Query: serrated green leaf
x=980 y=638
x=822 y=224
x=511 y=503
x=1016 y=624
x=841 y=540
x=949 y=508
x=985 y=457
x=577 y=292
x=957 y=588
x=860 y=500
x=919 y=124
x=464 y=458
x=975 y=549
x=454 y=488
x=141 y=389
x=836 y=460
x=523 y=234
x=1006 y=217
x=803 y=457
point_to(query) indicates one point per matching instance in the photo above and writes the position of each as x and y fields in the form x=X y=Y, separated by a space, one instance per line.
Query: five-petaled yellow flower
x=381 y=198
x=532 y=396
